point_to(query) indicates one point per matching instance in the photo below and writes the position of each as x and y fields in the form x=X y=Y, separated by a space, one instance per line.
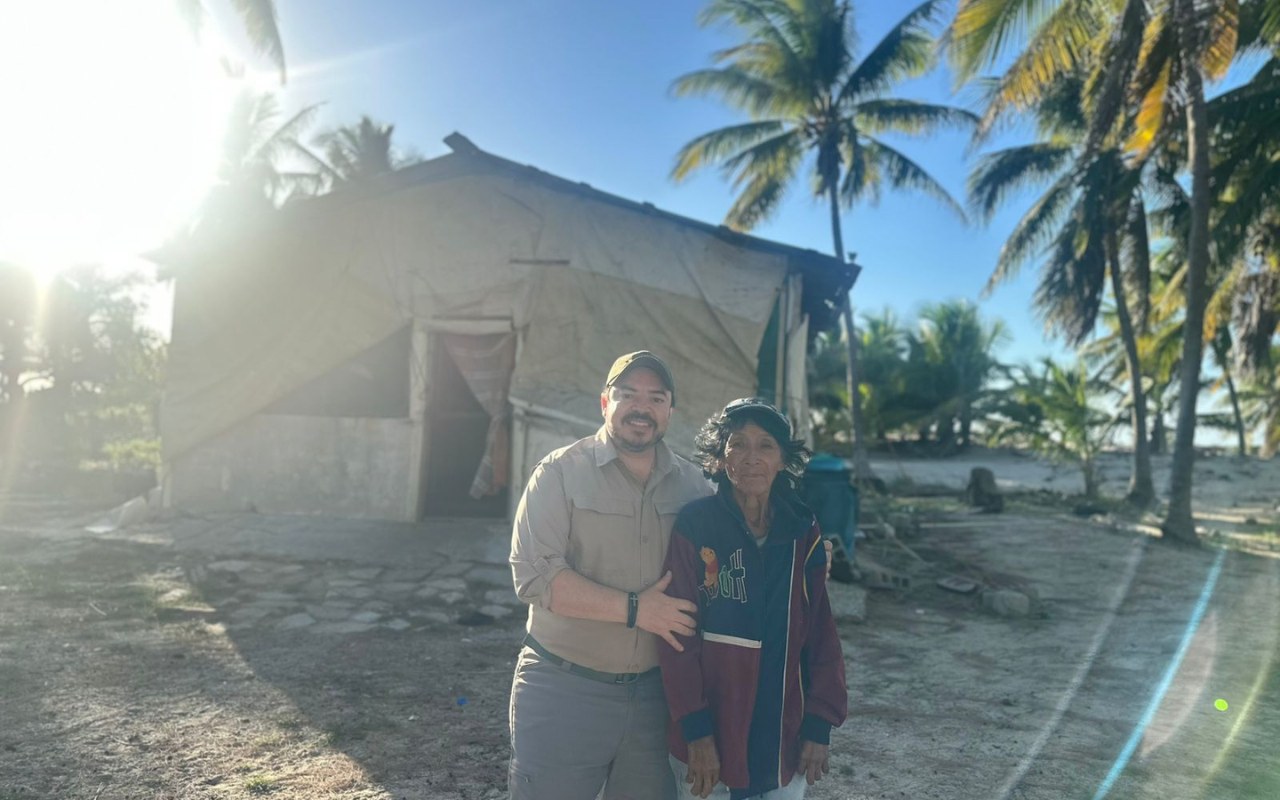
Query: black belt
x=585 y=672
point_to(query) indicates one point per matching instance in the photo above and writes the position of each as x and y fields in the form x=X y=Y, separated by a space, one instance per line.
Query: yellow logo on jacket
x=728 y=581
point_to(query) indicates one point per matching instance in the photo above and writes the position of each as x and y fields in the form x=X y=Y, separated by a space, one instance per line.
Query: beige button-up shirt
x=583 y=510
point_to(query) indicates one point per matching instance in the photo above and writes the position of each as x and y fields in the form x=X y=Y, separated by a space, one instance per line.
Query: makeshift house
x=413 y=346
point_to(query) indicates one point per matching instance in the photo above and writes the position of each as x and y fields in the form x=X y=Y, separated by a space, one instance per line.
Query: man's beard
x=620 y=440
x=623 y=444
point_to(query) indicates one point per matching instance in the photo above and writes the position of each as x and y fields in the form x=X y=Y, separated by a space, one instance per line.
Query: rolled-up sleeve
x=540 y=535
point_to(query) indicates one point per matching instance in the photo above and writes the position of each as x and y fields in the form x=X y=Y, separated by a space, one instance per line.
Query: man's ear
x=604 y=402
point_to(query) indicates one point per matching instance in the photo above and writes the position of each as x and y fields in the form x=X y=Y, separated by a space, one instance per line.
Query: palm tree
x=1151 y=61
x=1055 y=413
x=1221 y=345
x=959 y=347
x=826 y=369
x=883 y=345
x=1092 y=214
x=253 y=175
x=1260 y=399
x=1246 y=227
x=1195 y=55
x=351 y=153
x=18 y=310
x=253 y=178
x=1159 y=349
x=258 y=18
x=796 y=76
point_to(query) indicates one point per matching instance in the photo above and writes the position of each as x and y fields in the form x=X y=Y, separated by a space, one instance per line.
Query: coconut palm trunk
x=1159 y=436
x=1141 y=489
x=1090 y=472
x=1179 y=525
x=1241 y=438
x=861 y=461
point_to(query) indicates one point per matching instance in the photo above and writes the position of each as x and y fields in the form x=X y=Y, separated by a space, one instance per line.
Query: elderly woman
x=755 y=692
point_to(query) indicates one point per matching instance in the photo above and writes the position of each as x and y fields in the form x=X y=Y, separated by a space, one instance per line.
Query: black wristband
x=633 y=606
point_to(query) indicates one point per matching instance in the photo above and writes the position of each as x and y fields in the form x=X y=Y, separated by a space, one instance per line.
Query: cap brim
x=651 y=363
x=769 y=413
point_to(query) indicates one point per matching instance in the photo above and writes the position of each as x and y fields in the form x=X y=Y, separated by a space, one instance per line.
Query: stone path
x=331 y=576
x=332 y=598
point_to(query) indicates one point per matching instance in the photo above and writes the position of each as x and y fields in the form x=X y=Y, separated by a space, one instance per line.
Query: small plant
x=132 y=455
x=260 y=784
x=901 y=485
x=1054 y=412
x=268 y=741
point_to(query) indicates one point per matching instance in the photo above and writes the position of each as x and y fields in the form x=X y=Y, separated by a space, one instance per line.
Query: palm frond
x=735 y=86
x=764 y=171
x=262 y=30
x=1217 y=312
x=906 y=51
x=1004 y=172
x=1152 y=113
x=1271 y=20
x=324 y=169
x=884 y=115
x=983 y=30
x=1035 y=231
x=280 y=138
x=1073 y=278
x=758 y=200
x=1222 y=37
x=1109 y=87
x=776 y=156
x=903 y=173
x=721 y=144
x=1137 y=257
x=1056 y=47
x=1151 y=80
x=862 y=175
x=759 y=19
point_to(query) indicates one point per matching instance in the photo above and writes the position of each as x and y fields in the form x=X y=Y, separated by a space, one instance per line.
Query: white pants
x=792 y=791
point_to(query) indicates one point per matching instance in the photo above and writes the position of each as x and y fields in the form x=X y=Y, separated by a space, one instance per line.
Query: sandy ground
x=1228 y=490
x=129 y=668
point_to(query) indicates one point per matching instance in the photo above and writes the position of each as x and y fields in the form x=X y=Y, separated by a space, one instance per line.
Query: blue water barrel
x=828 y=489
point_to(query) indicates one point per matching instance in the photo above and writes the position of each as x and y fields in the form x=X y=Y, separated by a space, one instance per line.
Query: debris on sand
x=982 y=493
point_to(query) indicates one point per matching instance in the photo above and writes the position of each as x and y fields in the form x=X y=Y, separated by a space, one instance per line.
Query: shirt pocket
x=603 y=540
x=668 y=510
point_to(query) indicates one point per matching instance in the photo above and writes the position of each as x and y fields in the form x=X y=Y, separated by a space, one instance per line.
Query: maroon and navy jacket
x=764 y=668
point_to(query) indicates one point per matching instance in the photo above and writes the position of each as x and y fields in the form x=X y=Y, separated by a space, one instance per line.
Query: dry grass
x=122 y=680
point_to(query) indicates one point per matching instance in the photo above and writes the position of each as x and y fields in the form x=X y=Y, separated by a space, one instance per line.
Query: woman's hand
x=813 y=761
x=704 y=766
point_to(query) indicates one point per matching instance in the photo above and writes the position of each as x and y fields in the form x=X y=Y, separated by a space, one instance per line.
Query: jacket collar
x=792 y=519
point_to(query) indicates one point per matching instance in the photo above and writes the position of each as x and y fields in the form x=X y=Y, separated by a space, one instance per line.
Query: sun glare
x=113 y=118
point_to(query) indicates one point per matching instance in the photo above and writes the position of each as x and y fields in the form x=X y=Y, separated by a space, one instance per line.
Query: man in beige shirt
x=590 y=536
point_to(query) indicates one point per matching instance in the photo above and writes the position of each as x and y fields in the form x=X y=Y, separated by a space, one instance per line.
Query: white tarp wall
x=582 y=280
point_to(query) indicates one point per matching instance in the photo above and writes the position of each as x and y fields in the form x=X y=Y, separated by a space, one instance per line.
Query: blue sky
x=580 y=88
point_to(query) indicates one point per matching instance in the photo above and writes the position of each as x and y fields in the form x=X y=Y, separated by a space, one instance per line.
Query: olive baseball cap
x=642 y=358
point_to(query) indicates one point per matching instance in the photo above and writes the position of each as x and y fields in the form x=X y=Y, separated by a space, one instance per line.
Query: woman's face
x=752 y=459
